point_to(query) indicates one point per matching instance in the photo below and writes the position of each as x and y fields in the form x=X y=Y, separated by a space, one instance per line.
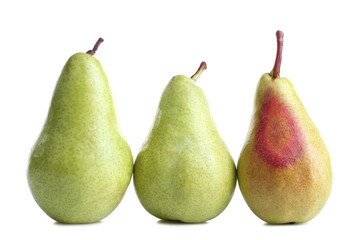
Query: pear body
x=284 y=169
x=184 y=171
x=80 y=166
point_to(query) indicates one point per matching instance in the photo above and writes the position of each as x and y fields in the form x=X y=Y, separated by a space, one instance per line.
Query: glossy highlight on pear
x=284 y=169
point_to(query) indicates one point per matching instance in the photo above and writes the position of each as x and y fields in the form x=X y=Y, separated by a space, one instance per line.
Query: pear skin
x=80 y=166
x=184 y=171
x=284 y=169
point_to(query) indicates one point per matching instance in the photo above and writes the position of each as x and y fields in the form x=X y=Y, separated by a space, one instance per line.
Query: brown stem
x=202 y=67
x=280 y=40
x=96 y=46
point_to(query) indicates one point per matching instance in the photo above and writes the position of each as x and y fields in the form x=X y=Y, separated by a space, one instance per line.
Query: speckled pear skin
x=80 y=166
x=284 y=170
x=184 y=171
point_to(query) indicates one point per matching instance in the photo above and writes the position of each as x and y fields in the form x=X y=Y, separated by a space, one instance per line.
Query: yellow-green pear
x=80 y=166
x=184 y=171
x=284 y=170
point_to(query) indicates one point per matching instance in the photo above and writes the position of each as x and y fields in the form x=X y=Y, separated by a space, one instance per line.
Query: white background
x=147 y=43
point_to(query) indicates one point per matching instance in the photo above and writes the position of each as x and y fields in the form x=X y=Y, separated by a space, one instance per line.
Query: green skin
x=286 y=194
x=80 y=167
x=184 y=171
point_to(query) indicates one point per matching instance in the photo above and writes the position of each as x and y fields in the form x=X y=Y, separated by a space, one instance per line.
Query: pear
x=184 y=171
x=80 y=166
x=284 y=170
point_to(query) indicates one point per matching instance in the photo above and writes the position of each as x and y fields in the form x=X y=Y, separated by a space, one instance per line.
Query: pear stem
x=280 y=40
x=96 y=46
x=202 y=67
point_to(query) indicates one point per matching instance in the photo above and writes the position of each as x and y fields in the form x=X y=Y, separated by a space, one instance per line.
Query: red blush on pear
x=278 y=137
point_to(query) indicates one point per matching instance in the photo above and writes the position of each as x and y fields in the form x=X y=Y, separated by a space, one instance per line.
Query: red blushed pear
x=284 y=169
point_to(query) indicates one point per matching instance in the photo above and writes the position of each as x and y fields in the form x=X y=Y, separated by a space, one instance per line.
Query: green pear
x=284 y=169
x=80 y=166
x=184 y=171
